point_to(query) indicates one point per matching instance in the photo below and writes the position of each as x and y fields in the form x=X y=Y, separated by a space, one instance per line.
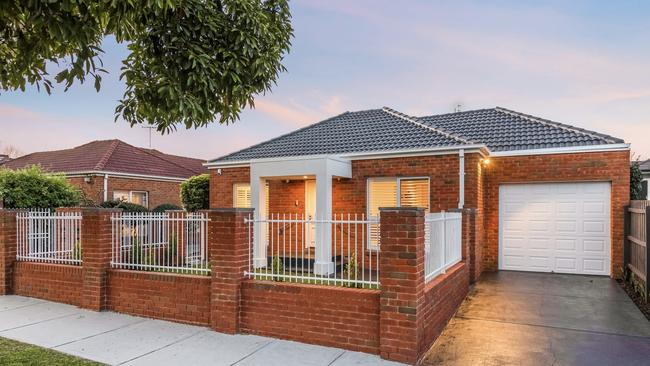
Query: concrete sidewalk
x=119 y=339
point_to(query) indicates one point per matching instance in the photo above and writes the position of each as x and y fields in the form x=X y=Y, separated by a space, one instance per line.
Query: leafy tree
x=191 y=61
x=32 y=188
x=195 y=193
x=636 y=182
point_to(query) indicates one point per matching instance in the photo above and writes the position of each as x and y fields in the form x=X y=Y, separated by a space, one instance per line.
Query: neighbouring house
x=4 y=158
x=114 y=170
x=540 y=195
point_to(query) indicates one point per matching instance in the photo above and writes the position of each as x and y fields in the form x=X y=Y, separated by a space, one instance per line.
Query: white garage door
x=555 y=227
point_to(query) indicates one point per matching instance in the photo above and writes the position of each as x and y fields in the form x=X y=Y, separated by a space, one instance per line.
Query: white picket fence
x=291 y=246
x=174 y=242
x=443 y=242
x=49 y=237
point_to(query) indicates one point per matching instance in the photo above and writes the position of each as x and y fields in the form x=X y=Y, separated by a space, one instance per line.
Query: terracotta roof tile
x=111 y=156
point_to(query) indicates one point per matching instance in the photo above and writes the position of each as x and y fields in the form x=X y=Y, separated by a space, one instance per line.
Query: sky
x=585 y=63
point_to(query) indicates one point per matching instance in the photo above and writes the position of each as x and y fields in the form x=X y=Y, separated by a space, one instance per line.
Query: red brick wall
x=442 y=297
x=93 y=191
x=173 y=297
x=221 y=185
x=475 y=212
x=330 y=316
x=350 y=194
x=55 y=282
x=159 y=191
x=599 y=166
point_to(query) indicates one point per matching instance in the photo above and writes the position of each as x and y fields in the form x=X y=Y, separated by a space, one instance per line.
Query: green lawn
x=14 y=353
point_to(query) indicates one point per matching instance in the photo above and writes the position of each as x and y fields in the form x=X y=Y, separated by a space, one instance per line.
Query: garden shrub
x=636 y=182
x=195 y=193
x=125 y=206
x=31 y=187
x=166 y=207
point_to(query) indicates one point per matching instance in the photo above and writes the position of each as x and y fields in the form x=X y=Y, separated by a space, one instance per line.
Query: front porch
x=307 y=228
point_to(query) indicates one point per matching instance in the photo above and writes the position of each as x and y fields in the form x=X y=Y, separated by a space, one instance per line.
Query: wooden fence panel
x=637 y=222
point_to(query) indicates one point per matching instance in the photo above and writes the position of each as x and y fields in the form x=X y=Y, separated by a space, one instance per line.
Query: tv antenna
x=150 y=129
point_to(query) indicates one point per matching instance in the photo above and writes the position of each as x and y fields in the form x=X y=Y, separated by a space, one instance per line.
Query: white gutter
x=105 y=187
x=124 y=175
x=461 y=173
x=480 y=148
x=564 y=150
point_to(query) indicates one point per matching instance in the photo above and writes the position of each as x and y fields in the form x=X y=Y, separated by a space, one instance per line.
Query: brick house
x=537 y=195
x=114 y=170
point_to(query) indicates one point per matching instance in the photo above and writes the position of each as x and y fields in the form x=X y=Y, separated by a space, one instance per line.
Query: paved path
x=517 y=318
x=119 y=339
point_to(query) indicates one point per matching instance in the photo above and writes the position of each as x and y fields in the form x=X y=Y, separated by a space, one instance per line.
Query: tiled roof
x=365 y=131
x=387 y=130
x=111 y=156
x=505 y=130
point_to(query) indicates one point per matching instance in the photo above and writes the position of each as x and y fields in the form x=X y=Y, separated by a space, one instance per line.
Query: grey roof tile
x=388 y=130
x=364 y=131
x=505 y=130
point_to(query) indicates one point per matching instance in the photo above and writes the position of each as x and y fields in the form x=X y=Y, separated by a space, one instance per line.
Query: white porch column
x=258 y=199
x=324 y=264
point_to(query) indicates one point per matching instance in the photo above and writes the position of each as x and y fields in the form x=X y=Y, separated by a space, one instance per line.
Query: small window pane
x=121 y=196
x=140 y=198
x=414 y=193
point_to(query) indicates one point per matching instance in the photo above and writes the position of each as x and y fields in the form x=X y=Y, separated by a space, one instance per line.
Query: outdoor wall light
x=485 y=161
x=219 y=171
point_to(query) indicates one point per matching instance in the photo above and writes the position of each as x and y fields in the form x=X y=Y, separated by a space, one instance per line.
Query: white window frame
x=647 y=180
x=397 y=180
x=130 y=193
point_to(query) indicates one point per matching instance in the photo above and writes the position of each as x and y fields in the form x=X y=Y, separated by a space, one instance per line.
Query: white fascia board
x=124 y=175
x=445 y=150
x=366 y=155
x=564 y=150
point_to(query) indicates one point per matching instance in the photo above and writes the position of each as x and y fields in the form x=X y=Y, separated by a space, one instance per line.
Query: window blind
x=381 y=193
x=414 y=193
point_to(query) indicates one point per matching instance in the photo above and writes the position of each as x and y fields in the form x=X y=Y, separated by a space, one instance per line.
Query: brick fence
x=399 y=321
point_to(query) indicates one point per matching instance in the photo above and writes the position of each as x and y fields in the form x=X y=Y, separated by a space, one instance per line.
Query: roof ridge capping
x=107 y=155
x=547 y=122
x=427 y=127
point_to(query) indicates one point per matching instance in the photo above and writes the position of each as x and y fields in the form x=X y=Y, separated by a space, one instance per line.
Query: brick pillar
x=7 y=250
x=402 y=283
x=228 y=252
x=96 y=255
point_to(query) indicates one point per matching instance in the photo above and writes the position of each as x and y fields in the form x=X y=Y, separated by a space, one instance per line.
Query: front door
x=310 y=213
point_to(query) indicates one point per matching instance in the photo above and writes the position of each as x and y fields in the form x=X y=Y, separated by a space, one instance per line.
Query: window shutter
x=242 y=195
x=381 y=193
x=414 y=193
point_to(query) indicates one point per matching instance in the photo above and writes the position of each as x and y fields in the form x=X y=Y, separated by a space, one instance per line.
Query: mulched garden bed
x=638 y=299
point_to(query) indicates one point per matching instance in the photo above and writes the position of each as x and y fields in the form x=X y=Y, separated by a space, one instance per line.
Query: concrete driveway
x=518 y=318
x=118 y=339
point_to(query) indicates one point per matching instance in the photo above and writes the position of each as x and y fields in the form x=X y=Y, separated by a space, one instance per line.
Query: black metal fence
x=635 y=252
